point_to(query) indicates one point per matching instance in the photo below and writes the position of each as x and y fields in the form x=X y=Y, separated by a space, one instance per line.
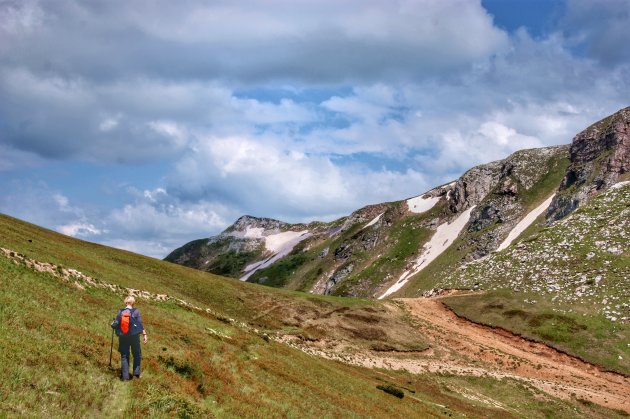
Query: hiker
x=128 y=326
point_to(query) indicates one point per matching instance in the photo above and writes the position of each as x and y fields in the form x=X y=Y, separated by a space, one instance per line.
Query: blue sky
x=146 y=124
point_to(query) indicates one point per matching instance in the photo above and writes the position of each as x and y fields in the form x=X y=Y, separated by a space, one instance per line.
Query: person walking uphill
x=128 y=326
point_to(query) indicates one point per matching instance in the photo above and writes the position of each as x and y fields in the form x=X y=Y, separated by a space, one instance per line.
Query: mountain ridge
x=380 y=248
x=440 y=204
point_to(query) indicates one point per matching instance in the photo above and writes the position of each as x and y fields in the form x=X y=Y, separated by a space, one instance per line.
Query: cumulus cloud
x=273 y=182
x=253 y=41
x=293 y=110
x=125 y=122
x=38 y=203
x=152 y=222
x=79 y=229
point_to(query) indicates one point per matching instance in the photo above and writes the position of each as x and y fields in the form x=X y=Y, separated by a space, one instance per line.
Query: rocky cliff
x=406 y=246
x=600 y=157
x=364 y=253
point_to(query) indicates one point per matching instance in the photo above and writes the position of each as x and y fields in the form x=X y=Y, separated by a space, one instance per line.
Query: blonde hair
x=130 y=300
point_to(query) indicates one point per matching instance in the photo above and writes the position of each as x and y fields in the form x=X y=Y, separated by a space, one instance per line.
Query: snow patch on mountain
x=444 y=236
x=280 y=244
x=620 y=184
x=253 y=233
x=419 y=204
x=374 y=220
x=524 y=223
x=281 y=241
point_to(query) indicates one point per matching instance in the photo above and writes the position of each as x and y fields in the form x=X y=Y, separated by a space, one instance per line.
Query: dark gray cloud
x=252 y=41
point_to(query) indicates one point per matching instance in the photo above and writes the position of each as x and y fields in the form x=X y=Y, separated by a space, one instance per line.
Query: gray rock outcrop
x=599 y=156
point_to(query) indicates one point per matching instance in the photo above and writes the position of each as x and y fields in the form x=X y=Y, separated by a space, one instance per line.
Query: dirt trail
x=464 y=347
x=461 y=347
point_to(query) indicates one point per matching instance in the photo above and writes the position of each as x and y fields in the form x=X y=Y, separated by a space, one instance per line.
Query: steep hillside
x=567 y=284
x=375 y=250
x=248 y=240
x=215 y=346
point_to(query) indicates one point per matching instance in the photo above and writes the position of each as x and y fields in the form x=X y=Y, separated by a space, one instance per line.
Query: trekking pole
x=111 y=350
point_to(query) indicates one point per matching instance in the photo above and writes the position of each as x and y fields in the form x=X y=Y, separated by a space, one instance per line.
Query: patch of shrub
x=183 y=368
x=390 y=389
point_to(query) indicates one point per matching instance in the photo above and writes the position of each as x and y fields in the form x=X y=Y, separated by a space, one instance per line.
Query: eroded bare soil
x=461 y=347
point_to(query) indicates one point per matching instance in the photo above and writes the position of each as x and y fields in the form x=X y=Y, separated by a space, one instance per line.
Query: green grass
x=55 y=341
x=451 y=258
x=403 y=241
x=556 y=168
x=577 y=274
x=278 y=274
x=591 y=337
x=55 y=347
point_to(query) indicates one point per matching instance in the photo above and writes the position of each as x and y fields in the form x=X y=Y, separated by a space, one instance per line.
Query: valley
x=471 y=300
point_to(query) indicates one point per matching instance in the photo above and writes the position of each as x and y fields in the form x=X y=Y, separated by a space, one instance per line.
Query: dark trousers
x=124 y=344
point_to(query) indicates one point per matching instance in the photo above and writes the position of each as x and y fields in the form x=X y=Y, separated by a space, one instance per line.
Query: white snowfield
x=279 y=244
x=253 y=233
x=419 y=204
x=524 y=223
x=374 y=220
x=444 y=236
x=620 y=184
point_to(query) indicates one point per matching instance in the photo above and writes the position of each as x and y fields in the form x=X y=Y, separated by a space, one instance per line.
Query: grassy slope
x=396 y=244
x=578 y=274
x=430 y=276
x=54 y=347
x=301 y=269
x=402 y=242
x=215 y=256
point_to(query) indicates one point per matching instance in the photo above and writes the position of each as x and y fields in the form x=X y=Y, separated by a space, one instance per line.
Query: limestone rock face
x=503 y=206
x=599 y=155
x=248 y=222
x=355 y=255
x=522 y=169
x=474 y=185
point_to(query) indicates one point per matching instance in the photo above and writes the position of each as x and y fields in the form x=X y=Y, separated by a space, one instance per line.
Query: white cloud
x=108 y=124
x=20 y=17
x=339 y=104
x=272 y=182
x=79 y=230
x=156 y=223
x=153 y=248
x=39 y=204
x=170 y=130
x=12 y=159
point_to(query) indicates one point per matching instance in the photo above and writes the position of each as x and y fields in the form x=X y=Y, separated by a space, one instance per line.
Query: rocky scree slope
x=567 y=284
x=233 y=250
x=551 y=263
x=404 y=248
x=365 y=253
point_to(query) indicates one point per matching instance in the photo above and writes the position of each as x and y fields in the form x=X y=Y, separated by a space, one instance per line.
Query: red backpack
x=125 y=320
x=125 y=325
